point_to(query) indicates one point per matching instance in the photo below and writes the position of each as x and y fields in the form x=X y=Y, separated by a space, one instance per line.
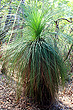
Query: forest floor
x=8 y=101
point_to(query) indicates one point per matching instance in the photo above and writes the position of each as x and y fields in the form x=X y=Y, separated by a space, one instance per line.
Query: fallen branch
x=70 y=21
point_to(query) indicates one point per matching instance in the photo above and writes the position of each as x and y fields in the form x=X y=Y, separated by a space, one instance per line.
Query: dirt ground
x=8 y=97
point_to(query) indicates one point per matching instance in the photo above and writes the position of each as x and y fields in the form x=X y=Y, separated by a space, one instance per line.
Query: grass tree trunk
x=42 y=72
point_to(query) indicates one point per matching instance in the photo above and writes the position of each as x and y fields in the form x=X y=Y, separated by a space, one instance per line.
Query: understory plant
x=40 y=66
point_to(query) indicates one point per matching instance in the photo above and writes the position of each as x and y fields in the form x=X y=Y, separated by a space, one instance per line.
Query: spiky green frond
x=39 y=65
x=35 y=20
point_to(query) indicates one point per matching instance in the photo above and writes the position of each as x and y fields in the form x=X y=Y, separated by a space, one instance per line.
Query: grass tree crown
x=35 y=20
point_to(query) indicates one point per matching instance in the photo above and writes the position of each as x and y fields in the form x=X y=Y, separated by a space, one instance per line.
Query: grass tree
x=40 y=67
